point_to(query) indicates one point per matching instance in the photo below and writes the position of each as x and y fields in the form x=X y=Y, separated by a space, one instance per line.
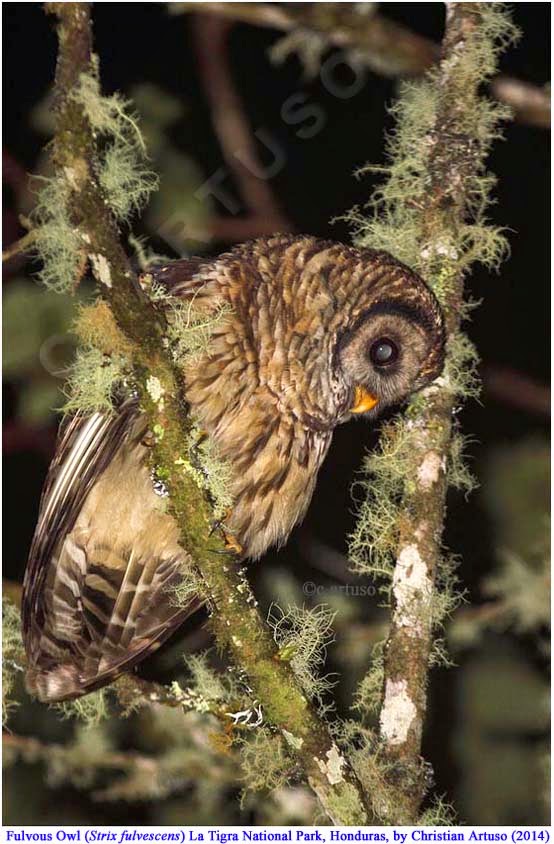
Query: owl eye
x=383 y=352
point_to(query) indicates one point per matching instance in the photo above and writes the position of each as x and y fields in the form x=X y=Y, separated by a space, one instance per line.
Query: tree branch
x=236 y=620
x=453 y=163
x=22 y=246
x=517 y=390
x=231 y=126
x=384 y=46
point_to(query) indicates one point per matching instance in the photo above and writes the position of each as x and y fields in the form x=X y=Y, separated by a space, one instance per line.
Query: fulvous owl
x=317 y=333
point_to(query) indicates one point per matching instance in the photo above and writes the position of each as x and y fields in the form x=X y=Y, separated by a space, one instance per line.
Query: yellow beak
x=363 y=401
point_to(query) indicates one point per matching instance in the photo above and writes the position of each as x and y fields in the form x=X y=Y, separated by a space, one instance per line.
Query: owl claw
x=232 y=548
x=233 y=545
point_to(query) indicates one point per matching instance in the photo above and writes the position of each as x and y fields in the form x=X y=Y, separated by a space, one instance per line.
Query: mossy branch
x=431 y=212
x=236 y=621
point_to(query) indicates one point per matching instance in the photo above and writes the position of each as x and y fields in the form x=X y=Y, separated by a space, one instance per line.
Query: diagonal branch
x=236 y=620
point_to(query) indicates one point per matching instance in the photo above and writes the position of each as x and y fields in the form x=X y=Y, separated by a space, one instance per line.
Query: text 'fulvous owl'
x=317 y=332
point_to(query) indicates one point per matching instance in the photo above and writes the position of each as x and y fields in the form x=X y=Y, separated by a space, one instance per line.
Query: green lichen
x=190 y=329
x=343 y=803
x=206 y=681
x=439 y=813
x=447 y=595
x=90 y=709
x=369 y=692
x=126 y=182
x=209 y=690
x=109 y=115
x=376 y=775
x=302 y=637
x=146 y=257
x=93 y=380
x=457 y=471
x=460 y=376
x=394 y=221
x=190 y=586
x=208 y=470
x=58 y=243
x=13 y=654
x=121 y=168
x=265 y=762
x=378 y=493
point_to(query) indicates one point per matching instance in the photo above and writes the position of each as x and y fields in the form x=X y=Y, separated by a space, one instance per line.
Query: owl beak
x=363 y=401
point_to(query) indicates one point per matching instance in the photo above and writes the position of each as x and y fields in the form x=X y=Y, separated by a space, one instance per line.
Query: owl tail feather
x=60 y=683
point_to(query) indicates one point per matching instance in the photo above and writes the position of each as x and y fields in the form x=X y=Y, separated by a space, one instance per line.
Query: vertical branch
x=431 y=214
x=452 y=165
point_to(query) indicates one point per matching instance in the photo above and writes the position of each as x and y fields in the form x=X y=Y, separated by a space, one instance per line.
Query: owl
x=317 y=333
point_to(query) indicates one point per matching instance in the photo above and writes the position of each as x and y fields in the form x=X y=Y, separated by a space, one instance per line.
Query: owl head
x=340 y=331
x=394 y=347
x=391 y=343
x=323 y=330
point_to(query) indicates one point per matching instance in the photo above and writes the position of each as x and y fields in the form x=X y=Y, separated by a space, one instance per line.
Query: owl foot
x=232 y=544
x=232 y=547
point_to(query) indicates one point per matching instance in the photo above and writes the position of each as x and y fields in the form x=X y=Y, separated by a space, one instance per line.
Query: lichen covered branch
x=93 y=240
x=431 y=213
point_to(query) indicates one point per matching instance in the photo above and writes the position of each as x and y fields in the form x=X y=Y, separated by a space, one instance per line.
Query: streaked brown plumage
x=317 y=332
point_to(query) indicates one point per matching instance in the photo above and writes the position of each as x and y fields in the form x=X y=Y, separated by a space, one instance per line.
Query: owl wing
x=182 y=278
x=104 y=562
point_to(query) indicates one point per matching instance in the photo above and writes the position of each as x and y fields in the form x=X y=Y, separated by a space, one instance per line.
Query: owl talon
x=232 y=544
x=232 y=547
x=225 y=553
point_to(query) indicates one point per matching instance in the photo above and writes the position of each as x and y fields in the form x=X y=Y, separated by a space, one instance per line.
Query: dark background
x=141 y=43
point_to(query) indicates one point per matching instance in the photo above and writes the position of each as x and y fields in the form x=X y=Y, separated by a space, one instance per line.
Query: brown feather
x=279 y=375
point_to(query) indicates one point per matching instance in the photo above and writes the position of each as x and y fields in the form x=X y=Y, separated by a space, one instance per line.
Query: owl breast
x=274 y=459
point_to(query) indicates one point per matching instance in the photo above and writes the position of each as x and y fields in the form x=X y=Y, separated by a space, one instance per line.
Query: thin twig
x=529 y=103
x=230 y=123
x=517 y=390
x=32 y=749
x=22 y=246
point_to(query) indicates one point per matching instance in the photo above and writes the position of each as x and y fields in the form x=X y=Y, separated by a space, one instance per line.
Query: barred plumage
x=294 y=358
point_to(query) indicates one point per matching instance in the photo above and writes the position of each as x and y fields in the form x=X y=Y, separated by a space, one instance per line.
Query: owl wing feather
x=104 y=560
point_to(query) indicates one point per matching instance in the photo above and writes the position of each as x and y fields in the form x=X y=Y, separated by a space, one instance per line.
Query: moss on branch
x=431 y=213
x=91 y=213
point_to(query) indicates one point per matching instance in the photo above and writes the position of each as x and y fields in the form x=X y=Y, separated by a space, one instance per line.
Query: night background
x=488 y=723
